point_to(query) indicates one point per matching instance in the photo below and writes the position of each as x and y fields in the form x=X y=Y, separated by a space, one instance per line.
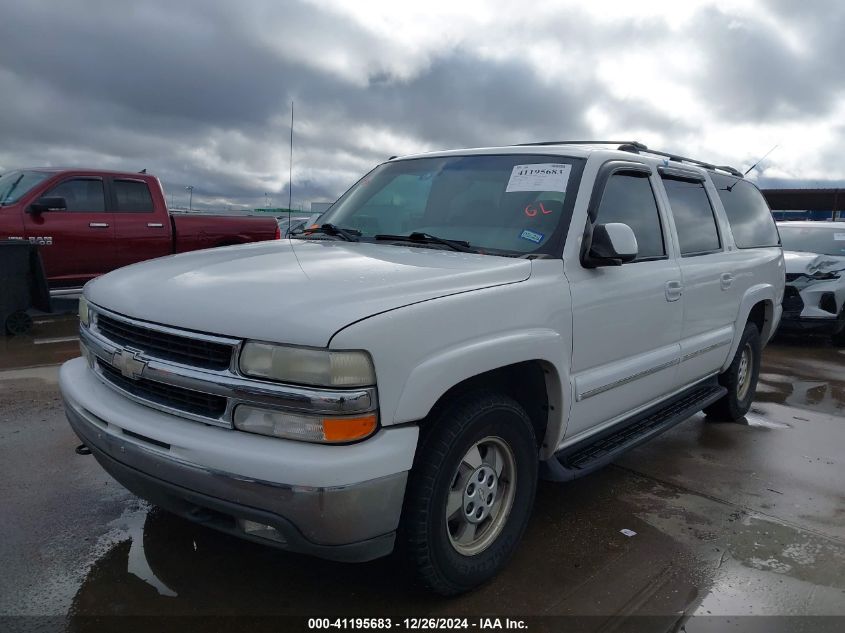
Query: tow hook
x=82 y=450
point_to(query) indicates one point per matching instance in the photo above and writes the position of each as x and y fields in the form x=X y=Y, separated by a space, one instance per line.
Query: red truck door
x=142 y=223
x=76 y=244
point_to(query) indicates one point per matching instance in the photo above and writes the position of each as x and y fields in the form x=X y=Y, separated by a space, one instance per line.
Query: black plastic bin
x=22 y=285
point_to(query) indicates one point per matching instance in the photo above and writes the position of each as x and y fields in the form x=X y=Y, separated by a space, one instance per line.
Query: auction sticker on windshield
x=539 y=177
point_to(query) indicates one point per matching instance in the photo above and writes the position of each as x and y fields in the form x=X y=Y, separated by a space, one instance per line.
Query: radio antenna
x=752 y=166
x=290 y=162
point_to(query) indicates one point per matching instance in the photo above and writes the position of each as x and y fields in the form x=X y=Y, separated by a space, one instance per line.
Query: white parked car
x=814 y=300
x=462 y=323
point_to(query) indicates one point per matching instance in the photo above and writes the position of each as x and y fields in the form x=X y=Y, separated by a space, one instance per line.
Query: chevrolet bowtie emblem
x=129 y=362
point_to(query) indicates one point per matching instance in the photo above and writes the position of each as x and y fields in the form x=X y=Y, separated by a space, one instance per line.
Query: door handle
x=674 y=290
x=725 y=280
x=155 y=225
x=98 y=225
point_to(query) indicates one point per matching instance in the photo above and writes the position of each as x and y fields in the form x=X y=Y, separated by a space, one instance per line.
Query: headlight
x=318 y=367
x=84 y=316
x=305 y=427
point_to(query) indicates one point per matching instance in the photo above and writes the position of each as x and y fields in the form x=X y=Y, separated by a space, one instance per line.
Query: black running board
x=602 y=448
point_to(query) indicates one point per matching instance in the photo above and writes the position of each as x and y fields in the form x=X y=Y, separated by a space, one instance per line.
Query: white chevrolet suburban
x=460 y=324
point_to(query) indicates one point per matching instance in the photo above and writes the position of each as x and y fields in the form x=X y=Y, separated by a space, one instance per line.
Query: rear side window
x=81 y=194
x=133 y=196
x=694 y=217
x=629 y=199
x=748 y=214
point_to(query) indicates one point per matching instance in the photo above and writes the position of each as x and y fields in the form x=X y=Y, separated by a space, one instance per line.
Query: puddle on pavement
x=760 y=566
x=161 y=564
x=53 y=340
x=689 y=555
x=806 y=373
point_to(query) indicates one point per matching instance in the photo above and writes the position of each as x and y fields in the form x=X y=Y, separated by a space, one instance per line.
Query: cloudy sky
x=199 y=92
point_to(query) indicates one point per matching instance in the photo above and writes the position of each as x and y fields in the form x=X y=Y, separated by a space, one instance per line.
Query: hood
x=799 y=263
x=293 y=291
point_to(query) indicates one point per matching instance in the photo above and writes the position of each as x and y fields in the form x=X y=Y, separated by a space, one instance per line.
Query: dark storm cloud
x=199 y=92
x=134 y=87
x=757 y=73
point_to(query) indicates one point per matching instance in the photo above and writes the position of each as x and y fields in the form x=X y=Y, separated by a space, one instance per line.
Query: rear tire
x=18 y=323
x=740 y=378
x=470 y=492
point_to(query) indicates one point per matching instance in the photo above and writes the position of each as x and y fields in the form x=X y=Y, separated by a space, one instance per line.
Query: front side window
x=823 y=240
x=694 y=217
x=15 y=184
x=133 y=196
x=508 y=205
x=629 y=199
x=81 y=194
x=748 y=214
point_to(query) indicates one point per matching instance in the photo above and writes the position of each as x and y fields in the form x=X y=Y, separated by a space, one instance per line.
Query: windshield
x=512 y=204
x=825 y=240
x=15 y=184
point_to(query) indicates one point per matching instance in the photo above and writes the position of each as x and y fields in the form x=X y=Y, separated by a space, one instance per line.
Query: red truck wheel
x=18 y=323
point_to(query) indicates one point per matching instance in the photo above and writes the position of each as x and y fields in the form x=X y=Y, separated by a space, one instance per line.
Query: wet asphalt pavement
x=729 y=520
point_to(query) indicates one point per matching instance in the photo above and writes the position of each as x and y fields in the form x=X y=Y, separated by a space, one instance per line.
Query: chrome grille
x=181 y=349
x=191 y=374
x=170 y=396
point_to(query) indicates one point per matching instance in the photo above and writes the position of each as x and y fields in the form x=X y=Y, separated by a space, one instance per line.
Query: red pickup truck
x=88 y=222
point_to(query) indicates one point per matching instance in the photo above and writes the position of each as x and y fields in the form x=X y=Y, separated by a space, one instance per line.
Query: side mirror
x=612 y=244
x=47 y=204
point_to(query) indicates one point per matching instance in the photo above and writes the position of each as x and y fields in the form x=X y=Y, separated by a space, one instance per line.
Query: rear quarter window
x=748 y=213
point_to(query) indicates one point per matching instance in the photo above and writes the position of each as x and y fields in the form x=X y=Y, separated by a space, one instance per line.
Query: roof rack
x=636 y=144
x=636 y=147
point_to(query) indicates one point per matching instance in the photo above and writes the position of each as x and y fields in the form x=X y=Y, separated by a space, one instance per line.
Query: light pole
x=190 y=190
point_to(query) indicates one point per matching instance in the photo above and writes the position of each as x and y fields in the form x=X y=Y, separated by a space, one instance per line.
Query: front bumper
x=814 y=325
x=335 y=502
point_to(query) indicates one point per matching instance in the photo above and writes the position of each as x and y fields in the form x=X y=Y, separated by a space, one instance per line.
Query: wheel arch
x=535 y=384
x=758 y=307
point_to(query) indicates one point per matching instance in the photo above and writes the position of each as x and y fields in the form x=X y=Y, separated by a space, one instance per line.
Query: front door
x=76 y=244
x=626 y=319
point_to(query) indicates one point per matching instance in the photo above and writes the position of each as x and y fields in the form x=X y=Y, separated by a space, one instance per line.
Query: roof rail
x=636 y=144
x=636 y=147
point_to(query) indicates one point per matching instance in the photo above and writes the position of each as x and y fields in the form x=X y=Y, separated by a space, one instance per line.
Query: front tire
x=470 y=493
x=740 y=378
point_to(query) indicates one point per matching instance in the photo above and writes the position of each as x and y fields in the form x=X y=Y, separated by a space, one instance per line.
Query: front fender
x=423 y=350
x=438 y=373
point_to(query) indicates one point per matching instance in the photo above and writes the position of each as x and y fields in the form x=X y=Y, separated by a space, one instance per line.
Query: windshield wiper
x=8 y=194
x=428 y=238
x=350 y=235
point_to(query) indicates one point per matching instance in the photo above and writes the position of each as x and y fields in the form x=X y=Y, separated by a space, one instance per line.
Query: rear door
x=76 y=244
x=143 y=228
x=709 y=273
x=626 y=319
